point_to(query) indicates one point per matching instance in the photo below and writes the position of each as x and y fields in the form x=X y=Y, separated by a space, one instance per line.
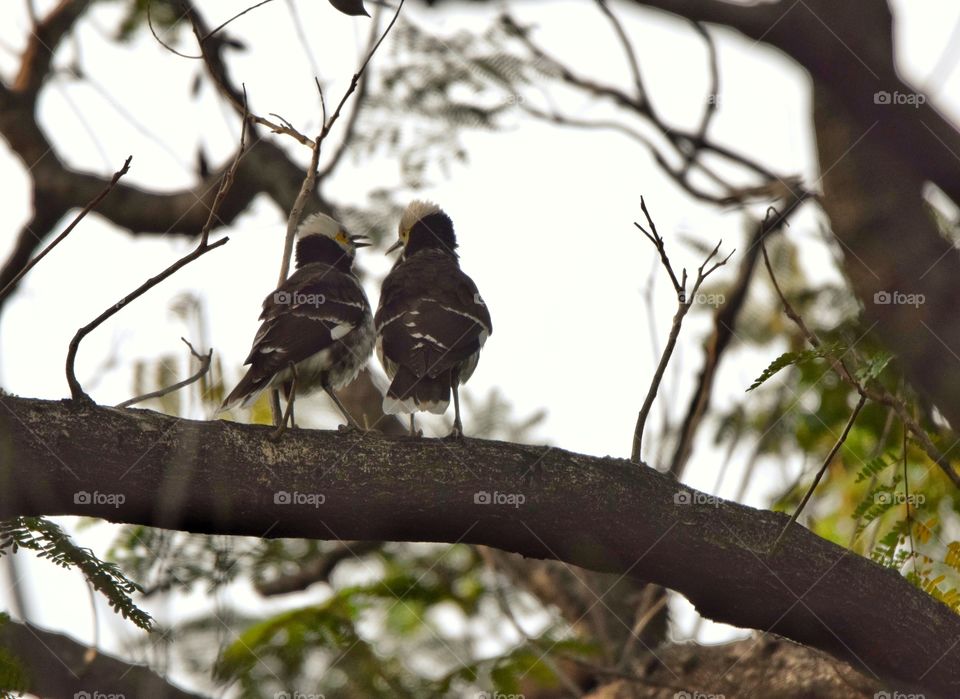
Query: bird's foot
x=350 y=428
x=456 y=433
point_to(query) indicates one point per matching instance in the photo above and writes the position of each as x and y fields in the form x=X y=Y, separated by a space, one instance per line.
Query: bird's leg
x=414 y=432
x=291 y=393
x=457 y=432
x=288 y=396
x=351 y=423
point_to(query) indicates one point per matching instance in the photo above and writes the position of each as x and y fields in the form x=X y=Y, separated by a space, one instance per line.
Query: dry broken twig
x=205 y=361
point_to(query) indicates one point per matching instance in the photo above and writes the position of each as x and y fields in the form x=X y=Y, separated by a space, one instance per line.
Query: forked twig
x=203 y=247
x=205 y=361
x=685 y=301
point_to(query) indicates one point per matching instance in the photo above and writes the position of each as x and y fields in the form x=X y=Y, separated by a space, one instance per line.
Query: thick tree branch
x=42 y=44
x=59 y=667
x=604 y=514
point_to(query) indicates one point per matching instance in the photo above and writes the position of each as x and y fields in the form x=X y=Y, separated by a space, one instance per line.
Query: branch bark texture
x=64 y=458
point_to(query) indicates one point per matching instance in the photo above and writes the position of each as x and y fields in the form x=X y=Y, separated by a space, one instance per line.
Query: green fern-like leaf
x=49 y=541
x=873 y=468
x=792 y=359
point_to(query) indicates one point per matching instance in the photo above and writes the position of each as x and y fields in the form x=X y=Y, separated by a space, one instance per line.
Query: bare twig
x=203 y=247
x=76 y=391
x=724 y=322
x=160 y=41
x=227 y=182
x=236 y=16
x=73 y=224
x=823 y=469
x=685 y=301
x=205 y=360
x=309 y=182
x=631 y=55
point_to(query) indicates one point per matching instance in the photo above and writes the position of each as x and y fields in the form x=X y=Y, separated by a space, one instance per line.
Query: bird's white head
x=321 y=224
x=429 y=224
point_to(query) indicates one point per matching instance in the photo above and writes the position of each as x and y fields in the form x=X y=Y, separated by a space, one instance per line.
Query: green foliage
x=49 y=541
x=794 y=359
x=13 y=678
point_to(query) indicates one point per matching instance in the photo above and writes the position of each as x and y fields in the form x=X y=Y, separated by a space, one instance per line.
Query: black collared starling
x=317 y=329
x=431 y=322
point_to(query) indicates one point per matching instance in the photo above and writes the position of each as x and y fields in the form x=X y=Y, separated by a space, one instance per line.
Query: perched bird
x=431 y=322
x=317 y=329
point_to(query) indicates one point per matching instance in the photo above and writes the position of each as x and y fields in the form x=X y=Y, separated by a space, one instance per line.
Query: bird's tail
x=409 y=393
x=245 y=392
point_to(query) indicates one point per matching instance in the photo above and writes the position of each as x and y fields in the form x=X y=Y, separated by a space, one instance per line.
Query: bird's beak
x=396 y=246
x=360 y=241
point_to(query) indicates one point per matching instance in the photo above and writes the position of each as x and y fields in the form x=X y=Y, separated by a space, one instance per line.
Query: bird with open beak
x=431 y=321
x=317 y=328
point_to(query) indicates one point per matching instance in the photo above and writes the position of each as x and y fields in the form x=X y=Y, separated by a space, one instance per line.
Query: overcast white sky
x=543 y=215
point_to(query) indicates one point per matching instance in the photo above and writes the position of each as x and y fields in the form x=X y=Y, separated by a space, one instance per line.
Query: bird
x=317 y=327
x=431 y=320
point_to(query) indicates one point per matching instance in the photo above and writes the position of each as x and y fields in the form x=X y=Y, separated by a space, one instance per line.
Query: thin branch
x=236 y=16
x=654 y=237
x=203 y=247
x=227 y=182
x=205 y=360
x=879 y=395
x=683 y=306
x=630 y=54
x=823 y=469
x=724 y=322
x=356 y=76
x=160 y=41
x=76 y=391
x=351 y=124
x=713 y=95
x=73 y=224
